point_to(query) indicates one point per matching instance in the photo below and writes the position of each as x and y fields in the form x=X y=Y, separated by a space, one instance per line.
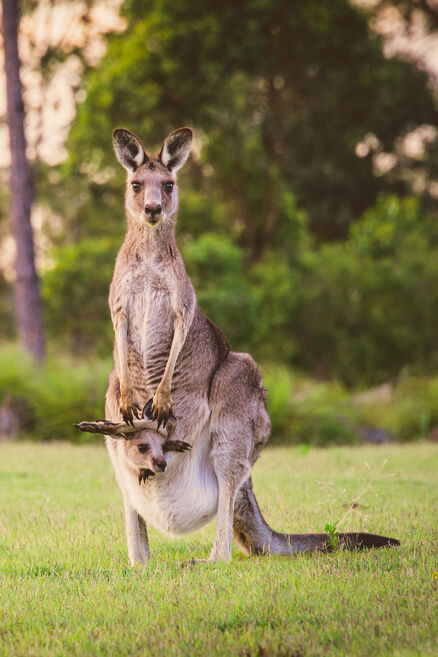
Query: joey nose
x=152 y=210
x=159 y=464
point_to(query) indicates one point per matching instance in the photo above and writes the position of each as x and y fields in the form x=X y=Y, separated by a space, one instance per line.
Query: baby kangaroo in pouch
x=146 y=453
x=171 y=361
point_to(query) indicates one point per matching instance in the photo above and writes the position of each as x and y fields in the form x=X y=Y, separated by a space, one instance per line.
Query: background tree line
x=309 y=231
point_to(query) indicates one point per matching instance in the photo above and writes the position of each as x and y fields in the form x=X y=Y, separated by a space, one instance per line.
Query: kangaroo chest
x=146 y=297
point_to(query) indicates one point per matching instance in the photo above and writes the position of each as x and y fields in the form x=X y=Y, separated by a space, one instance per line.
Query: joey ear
x=129 y=149
x=176 y=148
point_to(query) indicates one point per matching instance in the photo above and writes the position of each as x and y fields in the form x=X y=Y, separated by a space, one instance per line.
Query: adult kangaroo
x=171 y=360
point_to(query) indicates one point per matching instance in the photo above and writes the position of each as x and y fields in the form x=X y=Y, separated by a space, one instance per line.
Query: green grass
x=65 y=588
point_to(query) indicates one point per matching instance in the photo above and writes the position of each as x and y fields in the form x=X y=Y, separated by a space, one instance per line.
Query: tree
x=281 y=93
x=27 y=296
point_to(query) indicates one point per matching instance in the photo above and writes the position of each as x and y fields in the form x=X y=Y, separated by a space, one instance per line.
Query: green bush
x=274 y=284
x=322 y=427
x=305 y=411
x=359 y=311
x=318 y=416
x=16 y=372
x=411 y=412
x=49 y=399
x=217 y=269
x=278 y=380
x=367 y=308
x=65 y=392
x=75 y=295
x=327 y=413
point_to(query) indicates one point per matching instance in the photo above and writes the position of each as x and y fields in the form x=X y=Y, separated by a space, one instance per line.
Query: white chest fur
x=182 y=499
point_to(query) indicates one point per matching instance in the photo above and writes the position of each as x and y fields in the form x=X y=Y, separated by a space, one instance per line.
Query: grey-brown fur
x=168 y=351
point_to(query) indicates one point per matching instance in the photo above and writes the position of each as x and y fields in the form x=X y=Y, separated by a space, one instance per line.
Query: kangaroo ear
x=129 y=149
x=176 y=149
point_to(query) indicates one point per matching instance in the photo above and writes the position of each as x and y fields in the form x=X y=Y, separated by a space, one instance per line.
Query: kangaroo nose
x=152 y=210
x=159 y=464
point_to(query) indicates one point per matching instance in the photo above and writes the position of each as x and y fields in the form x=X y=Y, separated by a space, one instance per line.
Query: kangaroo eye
x=168 y=186
x=136 y=186
x=143 y=448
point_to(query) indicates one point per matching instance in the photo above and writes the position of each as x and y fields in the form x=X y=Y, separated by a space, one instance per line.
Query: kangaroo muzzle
x=152 y=212
x=159 y=465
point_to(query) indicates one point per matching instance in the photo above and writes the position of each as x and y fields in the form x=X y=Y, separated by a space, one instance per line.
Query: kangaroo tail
x=254 y=536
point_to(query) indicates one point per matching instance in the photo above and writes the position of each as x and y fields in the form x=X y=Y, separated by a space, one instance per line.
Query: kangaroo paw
x=161 y=410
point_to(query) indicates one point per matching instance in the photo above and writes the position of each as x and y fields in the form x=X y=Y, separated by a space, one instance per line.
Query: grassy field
x=65 y=588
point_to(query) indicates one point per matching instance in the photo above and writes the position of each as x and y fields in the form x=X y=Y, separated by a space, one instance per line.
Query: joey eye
x=168 y=186
x=136 y=186
x=143 y=448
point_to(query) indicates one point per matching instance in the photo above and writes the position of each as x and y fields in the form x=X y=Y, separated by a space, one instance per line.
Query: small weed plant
x=332 y=527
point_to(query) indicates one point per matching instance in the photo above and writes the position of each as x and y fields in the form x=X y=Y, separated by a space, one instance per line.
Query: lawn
x=65 y=588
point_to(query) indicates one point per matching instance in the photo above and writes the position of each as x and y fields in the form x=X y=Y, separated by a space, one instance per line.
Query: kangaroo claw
x=128 y=415
x=153 y=412
x=147 y=410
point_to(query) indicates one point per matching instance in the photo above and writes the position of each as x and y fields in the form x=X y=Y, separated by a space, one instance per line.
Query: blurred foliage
x=314 y=413
x=369 y=307
x=411 y=412
x=359 y=311
x=49 y=399
x=75 y=295
x=216 y=267
x=278 y=109
x=297 y=250
x=279 y=93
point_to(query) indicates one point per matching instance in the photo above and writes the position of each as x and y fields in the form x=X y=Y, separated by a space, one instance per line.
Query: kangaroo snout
x=152 y=212
x=159 y=465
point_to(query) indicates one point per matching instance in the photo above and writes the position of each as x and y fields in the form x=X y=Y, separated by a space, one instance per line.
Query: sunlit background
x=308 y=218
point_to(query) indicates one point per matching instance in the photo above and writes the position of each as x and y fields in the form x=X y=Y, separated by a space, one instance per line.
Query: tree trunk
x=272 y=136
x=27 y=296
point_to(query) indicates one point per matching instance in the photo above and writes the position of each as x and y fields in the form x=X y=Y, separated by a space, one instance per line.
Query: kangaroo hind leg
x=240 y=427
x=232 y=468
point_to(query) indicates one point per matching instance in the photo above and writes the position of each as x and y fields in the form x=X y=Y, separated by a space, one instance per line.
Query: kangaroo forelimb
x=161 y=408
x=129 y=405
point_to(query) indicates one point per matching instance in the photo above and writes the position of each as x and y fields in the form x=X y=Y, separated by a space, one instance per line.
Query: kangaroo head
x=147 y=451
x=151 y=191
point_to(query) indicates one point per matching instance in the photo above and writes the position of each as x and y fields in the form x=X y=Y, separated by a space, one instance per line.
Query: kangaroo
x=171 y=360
